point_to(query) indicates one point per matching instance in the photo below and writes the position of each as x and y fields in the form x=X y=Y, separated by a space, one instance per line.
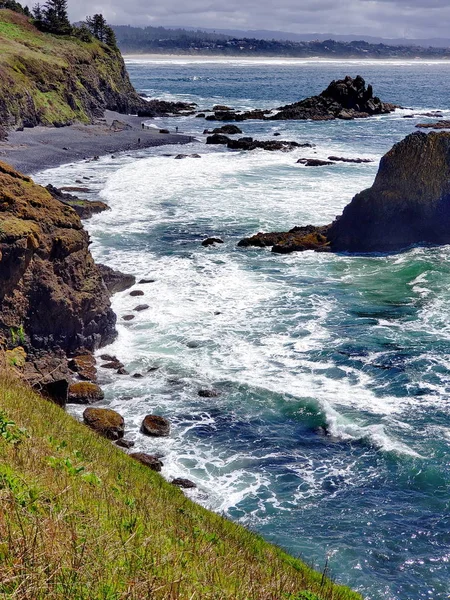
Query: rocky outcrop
x=116 y=281
x=85 y=209
x=248 y=143
x=437 y=125
x=409 y=202
x=52 y=294
x=163 y=108
x=344 y=99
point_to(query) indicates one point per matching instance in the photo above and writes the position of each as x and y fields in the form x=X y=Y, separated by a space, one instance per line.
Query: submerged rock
x=350 y=160
x=314 y=162
x=308 y=237
x=208 y=393
x=105 y=421
x=211 y=242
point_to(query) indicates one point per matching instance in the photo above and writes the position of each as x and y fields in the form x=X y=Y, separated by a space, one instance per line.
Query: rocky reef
x=52 y=294
x=408 y=204
x=346 y=99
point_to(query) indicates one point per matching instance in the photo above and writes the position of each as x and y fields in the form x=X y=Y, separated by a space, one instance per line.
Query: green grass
x=83 y=521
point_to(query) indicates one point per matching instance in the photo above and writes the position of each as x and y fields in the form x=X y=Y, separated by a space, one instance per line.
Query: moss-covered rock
x=51 y=292
x=105 y=421
x=85 y=392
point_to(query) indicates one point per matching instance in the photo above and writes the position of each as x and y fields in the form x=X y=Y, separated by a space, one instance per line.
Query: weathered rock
x=438 y=125
x=142 y=281
x=249 y=143
x=116 y=281
x=117 y=125
x=85 y=393
x=217 y=138
x=208 y=393
x=109 y=357
x=127 y=444
x=136 y=293
x=49 y=283
x=141 y=307
x=211 y=241
x=155 y=426
x=314 y=162
x=343 y=99
x=56 y=391
x=122 y=371
x=163 y=108
x=228 y=130
x=408 y=204
x=152 y=462
x=183 y=483
x=105 y=421
x=220 y=107
x=309 y=237
x=350 y=160
x=84 y=366
x=113 y=364
x=128 y=317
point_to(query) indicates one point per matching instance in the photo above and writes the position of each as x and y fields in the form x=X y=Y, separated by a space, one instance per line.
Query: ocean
x=297 y=345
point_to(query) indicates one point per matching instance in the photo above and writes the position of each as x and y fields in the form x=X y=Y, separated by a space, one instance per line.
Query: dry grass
x=80 y=520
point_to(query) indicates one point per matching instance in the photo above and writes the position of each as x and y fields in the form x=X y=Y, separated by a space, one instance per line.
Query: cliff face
x=52 y=294
x=409 y=202
x=51 y=80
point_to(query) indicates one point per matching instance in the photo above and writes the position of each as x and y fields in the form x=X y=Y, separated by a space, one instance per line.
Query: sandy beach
x=39 y=148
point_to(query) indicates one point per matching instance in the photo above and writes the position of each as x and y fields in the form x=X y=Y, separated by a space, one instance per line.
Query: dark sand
x=41 y=148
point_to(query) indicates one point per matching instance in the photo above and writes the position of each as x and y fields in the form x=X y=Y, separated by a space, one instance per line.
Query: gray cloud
x=384 y=18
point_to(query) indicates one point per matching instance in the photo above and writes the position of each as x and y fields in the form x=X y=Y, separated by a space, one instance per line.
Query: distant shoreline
x=274 y=59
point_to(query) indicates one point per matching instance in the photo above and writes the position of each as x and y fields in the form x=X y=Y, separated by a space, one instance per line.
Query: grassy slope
x=81 y=520
x=56 y=78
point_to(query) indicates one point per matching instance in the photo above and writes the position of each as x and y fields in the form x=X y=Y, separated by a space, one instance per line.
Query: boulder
x=127 y=444
x=208 y=393
x=314 y=162
x=141 y=307
x=437 y=125
x=350 y=160
x=183 y=483
x=85 y=393
x=105 y=421
x=116 y=281
x=152 y=462
x=117 y=125
x=308 y=237
x=136 y=293
x=128 y=317
x=217 y=138
x=248 y=143
x=211 y=241
x=408 y=204
x=56 y=391
x=155 y=426
x=228 y=130
x=84 y=366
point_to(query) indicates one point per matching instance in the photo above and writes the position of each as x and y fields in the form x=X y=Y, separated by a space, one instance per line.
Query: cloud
x=385 y=18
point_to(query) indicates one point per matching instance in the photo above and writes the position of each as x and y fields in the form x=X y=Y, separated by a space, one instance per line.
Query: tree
x=53 y=17
x=100 y=29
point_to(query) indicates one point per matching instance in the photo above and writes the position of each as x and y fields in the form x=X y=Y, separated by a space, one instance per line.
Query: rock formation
x=52 y=294
x=408 y=204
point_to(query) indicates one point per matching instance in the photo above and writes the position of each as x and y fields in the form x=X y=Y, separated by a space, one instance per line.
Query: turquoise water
x=298 y=344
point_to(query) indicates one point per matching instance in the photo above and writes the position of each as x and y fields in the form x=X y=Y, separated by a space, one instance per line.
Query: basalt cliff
x=408 y=204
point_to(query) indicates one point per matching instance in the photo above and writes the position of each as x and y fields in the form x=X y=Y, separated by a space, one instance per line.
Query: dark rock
x=128 y=317
x=309 y=237
x=180 y=156
x=135 y=293
x=114 y=364
x=314 y=162
x=183 y=483
x=116 y=281
x=85 y=393
x=138 y=376
x=119 y=126
x=408 y=204
x=4 y=134
x=211 y=241
x=127 y=444
x=350 y=160
x=343 y=99
x=163 y=108
x=217 y=139
x=122 y=371
x=109 y=357
x=152 y=462
x=56 y=391
x=200 y=116
x=155 y=426
x=105 y=421
x=194 y=156
x=276 y=134
x=228 y=130
x=249 y=143
x=164 y=131
x=438 y=125
x=208 y=393
x=221 y=107
x=84 y=366
x=141 y=307
x=142 y=281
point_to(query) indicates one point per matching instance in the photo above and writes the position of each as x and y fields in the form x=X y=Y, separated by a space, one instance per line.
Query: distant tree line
x=53 y=17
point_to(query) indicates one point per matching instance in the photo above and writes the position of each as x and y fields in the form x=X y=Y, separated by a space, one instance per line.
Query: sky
x=383 y=18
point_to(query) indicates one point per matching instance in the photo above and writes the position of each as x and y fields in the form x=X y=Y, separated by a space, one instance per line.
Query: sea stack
x=408 y=204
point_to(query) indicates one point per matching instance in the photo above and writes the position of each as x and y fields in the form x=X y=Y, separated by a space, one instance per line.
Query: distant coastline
x=274 y=59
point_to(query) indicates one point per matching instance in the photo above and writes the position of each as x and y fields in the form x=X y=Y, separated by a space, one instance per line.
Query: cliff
x=52 y=295
x=409 y=202
x=55 y=80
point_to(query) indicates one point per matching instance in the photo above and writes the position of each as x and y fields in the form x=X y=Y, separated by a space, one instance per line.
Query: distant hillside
x=48 y=79
x=196 y=42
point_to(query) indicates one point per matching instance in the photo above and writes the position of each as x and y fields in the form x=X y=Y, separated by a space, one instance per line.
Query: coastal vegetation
x=83 y=520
